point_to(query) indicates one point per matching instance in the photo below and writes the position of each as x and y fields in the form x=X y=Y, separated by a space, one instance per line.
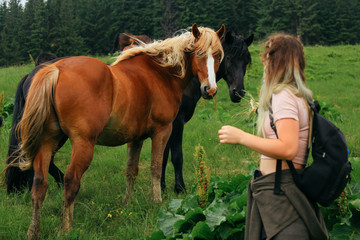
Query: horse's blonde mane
x=171 y=51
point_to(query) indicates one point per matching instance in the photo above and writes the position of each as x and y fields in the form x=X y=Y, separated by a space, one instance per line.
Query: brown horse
x=91 y=103
x=126 y=40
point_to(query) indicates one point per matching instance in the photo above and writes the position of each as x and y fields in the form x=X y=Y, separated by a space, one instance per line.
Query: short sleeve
x=284 y=105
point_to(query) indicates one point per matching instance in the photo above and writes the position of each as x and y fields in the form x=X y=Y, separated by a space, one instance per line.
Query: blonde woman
x=288 y=215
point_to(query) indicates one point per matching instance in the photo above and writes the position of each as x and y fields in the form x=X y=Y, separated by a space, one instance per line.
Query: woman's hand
x=231 y=135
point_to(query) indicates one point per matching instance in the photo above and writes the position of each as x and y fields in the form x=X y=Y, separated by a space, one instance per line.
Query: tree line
x=88 y=27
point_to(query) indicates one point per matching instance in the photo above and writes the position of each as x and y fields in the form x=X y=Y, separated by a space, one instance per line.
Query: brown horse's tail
x=38 y=106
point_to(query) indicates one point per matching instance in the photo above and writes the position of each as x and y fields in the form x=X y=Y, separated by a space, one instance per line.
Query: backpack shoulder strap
x=277 y=189
x=311 y=111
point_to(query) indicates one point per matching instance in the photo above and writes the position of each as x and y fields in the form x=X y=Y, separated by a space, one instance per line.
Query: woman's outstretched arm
x=285 y=147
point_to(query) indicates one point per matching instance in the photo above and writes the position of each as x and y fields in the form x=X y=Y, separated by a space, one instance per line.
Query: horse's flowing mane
x=171 y=51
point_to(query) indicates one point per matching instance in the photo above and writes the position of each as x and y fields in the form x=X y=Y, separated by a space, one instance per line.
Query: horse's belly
x=112 y=138
x=116 y=134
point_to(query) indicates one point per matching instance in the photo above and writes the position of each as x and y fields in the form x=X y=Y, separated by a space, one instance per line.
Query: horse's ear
x=195 y=31
x=229 y=38
x=221 y=31
x=249 y=39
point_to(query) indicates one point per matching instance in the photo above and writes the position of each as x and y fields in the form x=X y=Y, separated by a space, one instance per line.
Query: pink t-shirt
x=286 y=105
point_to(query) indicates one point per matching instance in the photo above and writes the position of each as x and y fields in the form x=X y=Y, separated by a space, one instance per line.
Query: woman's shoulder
x=286 y=100
x=285 y=95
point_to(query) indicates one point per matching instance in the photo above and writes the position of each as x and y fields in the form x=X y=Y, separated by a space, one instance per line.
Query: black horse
x=232 y=70
x=16 y=179
x=44 y=57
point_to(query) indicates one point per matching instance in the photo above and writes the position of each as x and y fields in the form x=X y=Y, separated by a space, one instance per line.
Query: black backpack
x=325 y=179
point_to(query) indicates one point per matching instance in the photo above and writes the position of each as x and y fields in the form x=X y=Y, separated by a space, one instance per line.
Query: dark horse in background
x=232 y=69
x=16 y=179
x=44 y=57
x=123 y=40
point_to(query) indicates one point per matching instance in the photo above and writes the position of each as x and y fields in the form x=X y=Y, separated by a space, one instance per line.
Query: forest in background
x=88 y=27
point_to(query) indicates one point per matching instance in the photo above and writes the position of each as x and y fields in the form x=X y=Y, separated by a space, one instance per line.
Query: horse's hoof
x=163 y=188
x=64 y=231
x=31 y=235
x=65 y=228
x=158 y=200
x=125 y=201
x=178 y=189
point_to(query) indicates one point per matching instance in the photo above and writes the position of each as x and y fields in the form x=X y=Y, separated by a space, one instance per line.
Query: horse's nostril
x=240 y=93
x=243 y=92
x=236 y=93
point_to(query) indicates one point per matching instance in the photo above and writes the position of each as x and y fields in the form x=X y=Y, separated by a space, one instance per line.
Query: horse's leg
x=57 y=174
x=41 y=167
x=159 y=141
x=54 y=171
x=177 y=155
x=164 y=163
x=132 y=169
x=82 y=153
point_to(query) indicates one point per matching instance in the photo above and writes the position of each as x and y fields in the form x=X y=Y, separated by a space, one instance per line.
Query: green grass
x=333 y=73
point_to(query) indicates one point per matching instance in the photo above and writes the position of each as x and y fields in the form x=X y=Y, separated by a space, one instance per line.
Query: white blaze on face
x=211 y=71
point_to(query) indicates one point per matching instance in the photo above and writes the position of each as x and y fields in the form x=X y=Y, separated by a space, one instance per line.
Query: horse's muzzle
x=236 y=95
x=208 y=93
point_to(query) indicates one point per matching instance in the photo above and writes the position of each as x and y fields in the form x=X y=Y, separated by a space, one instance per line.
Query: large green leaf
x=202 y=231
x=216 y=214
x=183 y=226
x=238 y=202
x=156 y=236
x=240 y=182
x=227 y=231
x=175 y=204
x=190 y=203
x=195 y=215
x=166 y=221
x=191 y=218
x=344 y=232
x=355 y=203
x=236 y=218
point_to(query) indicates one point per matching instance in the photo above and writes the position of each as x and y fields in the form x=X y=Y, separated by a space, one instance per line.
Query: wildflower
x=130 y=213
x=109 y=215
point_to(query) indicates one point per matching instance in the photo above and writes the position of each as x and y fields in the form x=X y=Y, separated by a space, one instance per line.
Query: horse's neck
x=221 y=72
x=193 y=90
x=188 y=73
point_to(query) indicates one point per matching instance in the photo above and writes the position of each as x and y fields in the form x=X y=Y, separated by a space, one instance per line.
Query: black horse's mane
x=237 y=47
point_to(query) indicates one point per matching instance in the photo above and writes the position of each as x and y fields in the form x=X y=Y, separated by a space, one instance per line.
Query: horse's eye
x=198 y=54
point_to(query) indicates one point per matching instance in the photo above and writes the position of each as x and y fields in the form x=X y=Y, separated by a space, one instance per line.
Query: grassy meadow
x=333 y=74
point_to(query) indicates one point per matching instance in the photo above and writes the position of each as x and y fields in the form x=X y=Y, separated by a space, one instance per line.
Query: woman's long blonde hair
x=284 y=66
